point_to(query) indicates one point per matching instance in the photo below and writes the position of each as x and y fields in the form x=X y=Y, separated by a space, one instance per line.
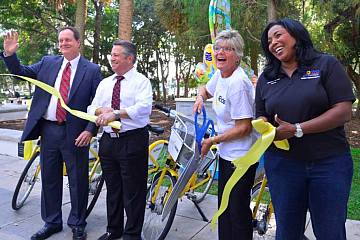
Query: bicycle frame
x=172 y=167
x=156 y=166
x=97 y=161
x=258 y=200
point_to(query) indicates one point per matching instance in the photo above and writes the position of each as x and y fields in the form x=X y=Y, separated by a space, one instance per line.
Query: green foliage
x=354 y=202
x=178 y=25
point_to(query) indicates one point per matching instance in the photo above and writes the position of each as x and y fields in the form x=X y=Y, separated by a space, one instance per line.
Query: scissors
x=201 y=131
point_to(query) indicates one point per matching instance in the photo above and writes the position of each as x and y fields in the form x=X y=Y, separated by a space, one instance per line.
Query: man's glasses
x=226 y=49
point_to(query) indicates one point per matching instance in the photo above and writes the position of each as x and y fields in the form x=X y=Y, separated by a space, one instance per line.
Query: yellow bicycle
x=170 y=169
x=31 y=174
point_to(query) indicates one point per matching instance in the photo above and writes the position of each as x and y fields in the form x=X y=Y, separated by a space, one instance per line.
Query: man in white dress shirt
x=124 y=96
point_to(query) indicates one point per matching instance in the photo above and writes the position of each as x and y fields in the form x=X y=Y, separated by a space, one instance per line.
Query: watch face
x=299 y=133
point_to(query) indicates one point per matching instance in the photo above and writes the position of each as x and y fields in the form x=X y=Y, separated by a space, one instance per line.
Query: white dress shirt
x=50 y=113
x=135 y=98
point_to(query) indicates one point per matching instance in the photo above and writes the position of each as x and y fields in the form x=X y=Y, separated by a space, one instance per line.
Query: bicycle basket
x=206 y=162
x=182 y=140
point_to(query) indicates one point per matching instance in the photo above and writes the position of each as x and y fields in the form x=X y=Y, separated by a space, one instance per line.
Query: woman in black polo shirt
x=308 y=96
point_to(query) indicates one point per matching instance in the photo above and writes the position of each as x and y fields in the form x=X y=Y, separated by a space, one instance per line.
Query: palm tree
x=126 y=10
x=80 y=21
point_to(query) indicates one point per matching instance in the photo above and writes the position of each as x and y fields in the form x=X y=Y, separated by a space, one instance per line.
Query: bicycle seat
x=155 y=129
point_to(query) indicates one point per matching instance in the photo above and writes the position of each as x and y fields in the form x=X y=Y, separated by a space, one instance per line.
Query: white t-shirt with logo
x=233 y=99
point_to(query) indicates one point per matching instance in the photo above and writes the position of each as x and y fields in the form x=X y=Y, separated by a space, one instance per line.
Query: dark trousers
x=321 y=185
x=236 y=222
x=55 y=151
x=124 y=165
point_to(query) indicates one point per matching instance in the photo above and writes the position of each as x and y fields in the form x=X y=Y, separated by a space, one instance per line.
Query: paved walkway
x=21 y=224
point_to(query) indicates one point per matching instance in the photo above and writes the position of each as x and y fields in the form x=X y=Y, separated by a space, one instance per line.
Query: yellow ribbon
x=53 y=91
x=243 y=163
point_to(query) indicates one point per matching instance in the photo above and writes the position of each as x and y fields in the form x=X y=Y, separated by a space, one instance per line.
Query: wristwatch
x=117 y=114
x=298 y=132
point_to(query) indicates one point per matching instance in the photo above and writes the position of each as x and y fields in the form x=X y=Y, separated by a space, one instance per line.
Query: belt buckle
x=114 y=135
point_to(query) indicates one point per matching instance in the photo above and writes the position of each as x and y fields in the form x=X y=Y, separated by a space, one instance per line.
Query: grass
x=354 y=200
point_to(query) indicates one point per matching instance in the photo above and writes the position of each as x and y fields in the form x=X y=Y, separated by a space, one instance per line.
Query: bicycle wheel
x=264 y=224
x=96 y=183
x=154 y=228
x=208 y=172
x=27 y=180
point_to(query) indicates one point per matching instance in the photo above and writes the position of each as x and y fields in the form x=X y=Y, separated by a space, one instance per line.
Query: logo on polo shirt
x=311 y=74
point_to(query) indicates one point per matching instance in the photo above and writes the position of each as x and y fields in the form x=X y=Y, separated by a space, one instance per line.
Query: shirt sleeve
x=241 y=97
x=337 y=83
x=143 y=100
x=211 y=84
x=97 y=101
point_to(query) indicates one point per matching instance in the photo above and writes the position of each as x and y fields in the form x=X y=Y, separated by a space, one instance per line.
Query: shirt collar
x=127 y=75
x=73 y=62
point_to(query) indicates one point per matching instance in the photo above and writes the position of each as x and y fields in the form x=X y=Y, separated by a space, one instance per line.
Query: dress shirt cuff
x=92 y=109
x=3 y=55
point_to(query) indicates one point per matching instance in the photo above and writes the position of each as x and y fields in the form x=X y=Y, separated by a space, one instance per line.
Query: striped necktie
x=115 y=100
x=64 y=92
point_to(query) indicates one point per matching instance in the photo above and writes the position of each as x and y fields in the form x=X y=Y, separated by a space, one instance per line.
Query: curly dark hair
x=305 y=51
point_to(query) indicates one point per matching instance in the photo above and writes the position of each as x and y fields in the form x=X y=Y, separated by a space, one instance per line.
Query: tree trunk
x=126 y=9
x=177 y=76
x=271 y=10
x=253 y=60
x=80 y=19
x=355 y=77
x=97 y=39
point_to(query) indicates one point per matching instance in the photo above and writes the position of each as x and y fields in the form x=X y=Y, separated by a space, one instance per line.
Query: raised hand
x=11 y=43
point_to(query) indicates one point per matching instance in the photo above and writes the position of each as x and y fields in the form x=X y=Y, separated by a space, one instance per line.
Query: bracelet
x=213 y=140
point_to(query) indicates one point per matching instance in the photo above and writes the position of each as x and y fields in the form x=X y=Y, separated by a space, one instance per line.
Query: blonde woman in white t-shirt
x=233 y=102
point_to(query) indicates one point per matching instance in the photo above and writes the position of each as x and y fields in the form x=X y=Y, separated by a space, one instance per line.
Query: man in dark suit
x=64 y=137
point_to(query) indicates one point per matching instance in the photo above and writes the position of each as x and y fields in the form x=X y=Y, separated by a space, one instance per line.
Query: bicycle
x=30 y=174
x=180 y=151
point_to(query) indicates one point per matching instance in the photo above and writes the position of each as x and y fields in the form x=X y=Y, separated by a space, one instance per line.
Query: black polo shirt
x=310 y=92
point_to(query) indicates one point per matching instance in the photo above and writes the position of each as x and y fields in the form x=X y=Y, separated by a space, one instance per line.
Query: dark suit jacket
x=83 y=88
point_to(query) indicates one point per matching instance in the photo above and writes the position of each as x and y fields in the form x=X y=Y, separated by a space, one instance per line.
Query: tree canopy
x=171 y=34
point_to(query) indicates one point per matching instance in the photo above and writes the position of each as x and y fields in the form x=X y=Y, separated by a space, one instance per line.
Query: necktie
x=64 y=92
x=115 y=100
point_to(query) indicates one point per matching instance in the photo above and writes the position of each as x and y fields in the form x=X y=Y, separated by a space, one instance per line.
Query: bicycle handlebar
x=162 y=108
x=167 y=111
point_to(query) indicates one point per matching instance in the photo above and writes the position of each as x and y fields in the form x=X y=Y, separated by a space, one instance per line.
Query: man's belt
x=127 y=133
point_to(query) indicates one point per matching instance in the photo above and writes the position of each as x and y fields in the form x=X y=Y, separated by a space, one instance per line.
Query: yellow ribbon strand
x=243 y=163
x=53 y=91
